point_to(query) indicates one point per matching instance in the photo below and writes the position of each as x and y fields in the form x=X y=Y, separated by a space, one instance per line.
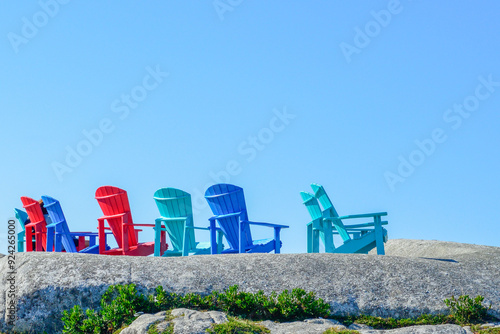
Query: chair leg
x=29 y=239
x=50 y=239
x=158 y=243
x=164 y=245
x=309 y=238
x=92 y=240
x=38 y=240
x=220 y=235
x=379 y=236
x=102 y=236
x=242 y=237
x=277 y=241
x=213 y=241
x=328 y=233
x=58 y=243
x=185 y=241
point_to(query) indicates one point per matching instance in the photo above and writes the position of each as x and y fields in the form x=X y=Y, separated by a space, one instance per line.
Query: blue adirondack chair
x=177 y=220
x=21 y=217
x=358 y=238
x=58 y=235
x=228 y=206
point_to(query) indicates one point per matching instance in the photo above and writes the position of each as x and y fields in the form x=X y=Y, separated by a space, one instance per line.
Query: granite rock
x=143 y=322
x=195 y=322
x=412 y=279
x=308 y=326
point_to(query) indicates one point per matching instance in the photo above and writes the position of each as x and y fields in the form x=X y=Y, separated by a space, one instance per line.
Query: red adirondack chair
x=114 y=204
x=37 y=223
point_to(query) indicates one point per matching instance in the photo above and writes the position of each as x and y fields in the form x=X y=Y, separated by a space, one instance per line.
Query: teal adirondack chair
x=21 y=217
x=358 y=238
x=177 y=220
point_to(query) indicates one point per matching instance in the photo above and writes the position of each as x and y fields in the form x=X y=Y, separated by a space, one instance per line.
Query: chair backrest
x=329 y=209
x=33 y=210
x=21 y=217
x=175 y=203
x=114 y=201
x=225 y=199
x=57 y=216
x=326 y=203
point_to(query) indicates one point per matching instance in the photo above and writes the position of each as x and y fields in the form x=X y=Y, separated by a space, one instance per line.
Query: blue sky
x=391 y=105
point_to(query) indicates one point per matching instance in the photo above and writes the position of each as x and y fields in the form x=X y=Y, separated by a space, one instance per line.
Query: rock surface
x=412 y=279
x=142 y=324
x=194 y=322
x=309 y=326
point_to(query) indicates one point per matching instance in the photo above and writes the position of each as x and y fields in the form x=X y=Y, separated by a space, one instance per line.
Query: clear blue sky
x=361 y=83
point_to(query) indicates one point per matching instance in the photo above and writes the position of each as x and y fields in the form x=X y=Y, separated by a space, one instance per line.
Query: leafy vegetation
x=466 y=310
x=120 y=304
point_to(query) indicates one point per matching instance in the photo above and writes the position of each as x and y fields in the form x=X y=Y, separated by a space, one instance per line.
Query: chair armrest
x=112 y=216
x=198 y=228
x=134 y=224
x=33 y=224
x=356 y=226
x=87 y=234
x=266 y=224
x=364 y=215
x=51 y=225
x=168 y=219
x=226 y=215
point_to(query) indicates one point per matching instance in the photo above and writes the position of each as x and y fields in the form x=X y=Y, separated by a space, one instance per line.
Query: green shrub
x=118 y=306
x=466 y=310
x=237 y=326
x=120 y=302
x=286 y=306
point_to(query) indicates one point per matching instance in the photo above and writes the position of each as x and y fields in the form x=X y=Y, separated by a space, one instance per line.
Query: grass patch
x=391 y=323
x=238 y=326
x=479 y=330
x=334 y=330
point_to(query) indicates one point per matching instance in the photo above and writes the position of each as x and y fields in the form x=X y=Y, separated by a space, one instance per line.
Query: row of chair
x=50 y=231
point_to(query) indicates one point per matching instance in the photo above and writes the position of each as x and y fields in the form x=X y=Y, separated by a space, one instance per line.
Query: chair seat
x=262 y=241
